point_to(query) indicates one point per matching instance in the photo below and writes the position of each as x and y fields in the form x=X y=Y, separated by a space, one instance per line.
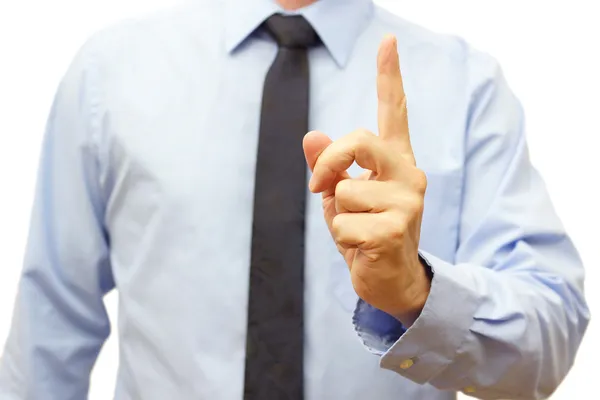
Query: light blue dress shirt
x=146 y=185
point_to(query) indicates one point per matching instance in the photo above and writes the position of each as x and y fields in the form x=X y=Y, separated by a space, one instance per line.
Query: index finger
x=392 y=111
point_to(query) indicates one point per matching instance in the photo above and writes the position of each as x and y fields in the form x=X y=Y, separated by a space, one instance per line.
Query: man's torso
x=179 y=139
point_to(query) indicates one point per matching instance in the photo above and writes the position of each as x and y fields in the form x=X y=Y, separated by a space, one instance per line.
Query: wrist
x=416 y=294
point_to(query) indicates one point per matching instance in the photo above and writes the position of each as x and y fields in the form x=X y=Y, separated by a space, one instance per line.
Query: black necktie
x=274 y=349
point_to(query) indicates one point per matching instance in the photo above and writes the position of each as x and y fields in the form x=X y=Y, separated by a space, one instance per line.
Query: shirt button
x=469 y=389
x=406 y=364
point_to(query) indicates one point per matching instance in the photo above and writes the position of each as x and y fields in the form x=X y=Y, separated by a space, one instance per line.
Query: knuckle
x=337 y=224
x=420 y=181
x=343 y=189
x=391 y=230
x=362 y=137
x=416 y=206
x=363 y=133
x=397 y=229
x=376 y=256
x=397 y=234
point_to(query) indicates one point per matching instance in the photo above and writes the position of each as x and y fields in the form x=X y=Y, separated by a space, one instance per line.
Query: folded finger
x=361 y=146
x=371 y=196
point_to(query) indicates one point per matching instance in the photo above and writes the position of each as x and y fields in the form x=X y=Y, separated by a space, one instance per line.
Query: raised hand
x=375 y=220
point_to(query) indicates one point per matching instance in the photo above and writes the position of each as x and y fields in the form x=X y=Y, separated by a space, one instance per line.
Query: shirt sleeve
x=505 y=318
x=59 y=320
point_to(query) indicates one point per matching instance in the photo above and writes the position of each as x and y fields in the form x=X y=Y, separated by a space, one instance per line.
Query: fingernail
x=391 y=37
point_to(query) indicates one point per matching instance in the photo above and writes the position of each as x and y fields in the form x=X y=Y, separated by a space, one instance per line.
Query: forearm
x=55 y=338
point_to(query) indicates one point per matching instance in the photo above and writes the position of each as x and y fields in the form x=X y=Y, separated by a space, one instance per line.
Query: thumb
x=314 y=143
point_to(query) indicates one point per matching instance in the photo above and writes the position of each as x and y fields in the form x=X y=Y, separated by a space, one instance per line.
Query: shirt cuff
x=424 y=350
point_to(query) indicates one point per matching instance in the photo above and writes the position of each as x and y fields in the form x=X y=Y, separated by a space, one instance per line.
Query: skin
x=375 y=219
x=295 y=4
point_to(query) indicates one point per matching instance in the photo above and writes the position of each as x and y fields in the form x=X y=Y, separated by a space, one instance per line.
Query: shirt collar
x=338 y=22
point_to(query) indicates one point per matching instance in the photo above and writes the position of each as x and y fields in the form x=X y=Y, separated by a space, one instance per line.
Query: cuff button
x=469 y=389
x=406 y=364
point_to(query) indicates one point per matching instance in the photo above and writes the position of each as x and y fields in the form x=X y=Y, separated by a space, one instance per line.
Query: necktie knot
x=292 y=31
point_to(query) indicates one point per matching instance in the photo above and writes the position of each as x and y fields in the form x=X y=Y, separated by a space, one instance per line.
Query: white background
x=549 y=51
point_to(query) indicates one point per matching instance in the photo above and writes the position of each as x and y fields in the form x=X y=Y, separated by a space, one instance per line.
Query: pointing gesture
x=375 y=220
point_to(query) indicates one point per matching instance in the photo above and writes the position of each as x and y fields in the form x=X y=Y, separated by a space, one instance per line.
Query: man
x=166 y=176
